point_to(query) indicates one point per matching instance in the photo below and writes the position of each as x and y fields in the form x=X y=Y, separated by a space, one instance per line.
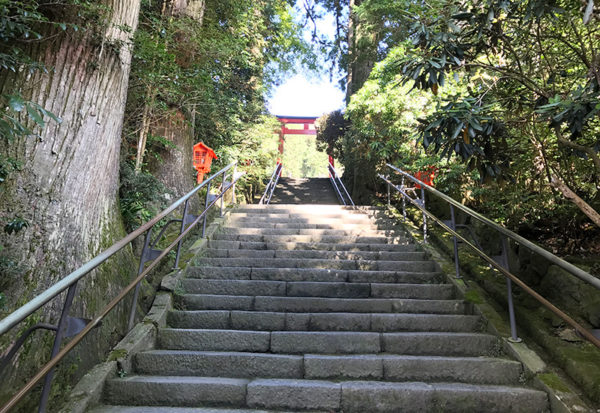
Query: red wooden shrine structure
x=306 y=129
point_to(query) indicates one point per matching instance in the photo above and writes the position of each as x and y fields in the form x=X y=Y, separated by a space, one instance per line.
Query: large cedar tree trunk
x=68 y=186
x=362 y=51
x=174 y=166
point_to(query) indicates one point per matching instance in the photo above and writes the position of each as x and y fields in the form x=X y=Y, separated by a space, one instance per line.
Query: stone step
x=315 y=246
x=341 y=239
x=355 y=232
x=320 y=304
x=350 y=222
x=314 y=254
x=480 y=370
x=318 y=289
x=356 y=208
x=347 y=396
x=176 y=391
x=448 y=397
x=274 y=321
x=365 y=265
x=308 y=210
x=170 y=409
x=330 y=342
x=313 y=274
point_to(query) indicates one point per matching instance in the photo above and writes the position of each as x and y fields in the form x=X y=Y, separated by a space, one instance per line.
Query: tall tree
x=65 y=182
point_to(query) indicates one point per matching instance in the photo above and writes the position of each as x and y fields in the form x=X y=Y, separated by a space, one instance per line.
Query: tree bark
x=174 y=168
x=557 y=183
x=362 y=51
x=67 y=188
x=590 y=212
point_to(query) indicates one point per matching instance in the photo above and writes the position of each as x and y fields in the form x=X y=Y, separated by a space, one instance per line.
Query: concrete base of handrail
x=88 y=390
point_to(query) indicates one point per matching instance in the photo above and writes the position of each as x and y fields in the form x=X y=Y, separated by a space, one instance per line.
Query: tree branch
x=570 y=144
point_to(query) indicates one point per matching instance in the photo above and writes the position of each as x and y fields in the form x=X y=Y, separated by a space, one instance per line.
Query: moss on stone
x=117 y=354
x=554 y=382
x=473 y=296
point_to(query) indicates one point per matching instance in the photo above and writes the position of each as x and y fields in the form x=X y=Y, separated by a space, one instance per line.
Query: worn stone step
x=313 y=274
x=329 y=342
x=317 y=226
x=480 y=370
x=348 y=396
x=219 y=364
x=170 y=409
x=314 y=254
x=315 y=246
x=341 y=239
x=237 y=220
x=274 y=321
x=176 y=391
x=320 y=304
x=350 y=222
x=355 y=232
x=317 y=289
x=258 y=207
x=364 y=396
x=366 y=265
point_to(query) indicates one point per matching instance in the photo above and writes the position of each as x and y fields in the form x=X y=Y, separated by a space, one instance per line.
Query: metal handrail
x=70 y=281
x=577 y=272
x=501 y=266
x=333 y=176
x=268 y=194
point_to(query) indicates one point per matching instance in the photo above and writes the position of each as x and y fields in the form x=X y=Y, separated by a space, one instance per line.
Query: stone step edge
x=355 y=395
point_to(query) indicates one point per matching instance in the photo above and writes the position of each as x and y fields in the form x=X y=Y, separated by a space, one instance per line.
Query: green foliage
x=215 y=72
x=15 y=225
x=462 y=126
x=19 y=25
x=142 y=196
x=501 y=95
x=302 y=159
x=331 y=128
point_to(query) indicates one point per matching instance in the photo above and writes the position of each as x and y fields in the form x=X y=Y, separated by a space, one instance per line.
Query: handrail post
x=233 y=200
x=183 y=223
x=136 y=292
x=514 y=338
x=424 y=215
x=389 y=196
x=56 y=347
x=223 y=182
x=455 y=240
x=205 y=206
x=403 y=201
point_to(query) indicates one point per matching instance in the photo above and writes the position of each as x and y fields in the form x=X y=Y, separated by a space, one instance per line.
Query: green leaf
x=16 y=103
x=35 y=115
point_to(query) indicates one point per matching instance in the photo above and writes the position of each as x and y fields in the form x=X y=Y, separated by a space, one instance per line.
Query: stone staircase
x=320 y=308
x=304 y=191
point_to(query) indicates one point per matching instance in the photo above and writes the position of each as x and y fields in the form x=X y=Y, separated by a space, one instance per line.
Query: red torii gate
x=306 y=121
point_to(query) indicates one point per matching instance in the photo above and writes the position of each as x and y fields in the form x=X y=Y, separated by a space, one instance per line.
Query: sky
x=301 y=96
x=308 y=94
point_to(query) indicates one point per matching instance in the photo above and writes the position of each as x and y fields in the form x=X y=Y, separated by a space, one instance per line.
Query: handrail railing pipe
x=79 y=328
x=333 y=176
x=270 y=188
x=336 y=189
x=499 y=263
x=275 y=183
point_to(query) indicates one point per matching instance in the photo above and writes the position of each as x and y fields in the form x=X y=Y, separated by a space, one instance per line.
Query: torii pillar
x=306 y=121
